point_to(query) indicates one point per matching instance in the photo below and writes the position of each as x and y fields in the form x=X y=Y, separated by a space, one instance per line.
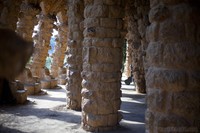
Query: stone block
x=113 y=33
x=116 y=12
x=87 y=42
x=53 y=83
x=169 y=120
x=62 y=81
x=116 y=105
x=102 y=42
x=159 y=13
x=77 y=36
x=104 y=106
x=193 y=80
x=112 y=119
x=45 y=84
x=97 y=120
x=184 y=102
x=91 y=22
x=166 y=79
x=171 y=31
x=30 y=89
x=89 y=106
x=118 y=43
x=154 y=54
x=108 y=22
x=37 y=88
x=152 y=32
x=180 y=53
x=21 y=96
x=95 y=11
x=157 y=98
x=112 y=2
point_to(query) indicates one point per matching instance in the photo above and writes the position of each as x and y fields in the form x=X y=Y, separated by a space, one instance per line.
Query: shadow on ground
x=48 y=114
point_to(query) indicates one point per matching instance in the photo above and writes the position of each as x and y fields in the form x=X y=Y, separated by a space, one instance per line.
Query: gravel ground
x=48 y=114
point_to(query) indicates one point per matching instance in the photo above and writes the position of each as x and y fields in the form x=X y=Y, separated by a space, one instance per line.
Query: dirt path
x=48 y=114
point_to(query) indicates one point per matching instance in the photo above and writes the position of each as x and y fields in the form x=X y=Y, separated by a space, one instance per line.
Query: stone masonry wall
x=74 y=54
x=173 y=78
x=102 y=62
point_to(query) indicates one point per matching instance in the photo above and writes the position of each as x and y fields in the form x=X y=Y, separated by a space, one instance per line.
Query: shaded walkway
x=48 y=114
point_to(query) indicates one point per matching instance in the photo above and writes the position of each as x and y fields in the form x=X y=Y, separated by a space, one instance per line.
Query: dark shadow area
x=9 y=130
x=41 y=113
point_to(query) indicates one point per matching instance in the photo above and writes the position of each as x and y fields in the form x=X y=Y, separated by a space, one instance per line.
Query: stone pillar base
x=32 y=89
x=21 y=96
x=48 y=84
x=62 y=81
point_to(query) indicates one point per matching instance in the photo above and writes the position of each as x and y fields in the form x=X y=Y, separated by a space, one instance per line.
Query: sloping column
x=61 y=45
x=74 y=54
x=27 y=20
x=102 y=62
x=134 y=40
x=42 y=41
x=173 y=102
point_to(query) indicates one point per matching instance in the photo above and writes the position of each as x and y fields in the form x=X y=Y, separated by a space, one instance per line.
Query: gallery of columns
x=162 y=40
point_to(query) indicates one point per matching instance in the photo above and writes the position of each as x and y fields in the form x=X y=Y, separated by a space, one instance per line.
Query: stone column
x=74 y=54
x=134 y=39
x=127 y=69
x=42 y=41
x=61 y=45
x=102 y=62
x=9 y=13
x=27 y=20
x=173 y=77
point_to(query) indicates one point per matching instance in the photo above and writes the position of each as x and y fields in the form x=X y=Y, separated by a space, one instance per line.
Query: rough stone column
x=127 y=69
x=143 y=8
x=173 y=77
x=102 y=62
x=27 y=20
x=134 y=39
x=9 y=13
x=61 y=46
x=42 y=41
x=74 y=54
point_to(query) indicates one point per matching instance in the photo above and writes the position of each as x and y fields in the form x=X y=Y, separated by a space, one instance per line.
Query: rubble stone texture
x=173 y=102
x=19 y=92
x=9 y=13
x=102 y=63
x=31 y=84
x=42 y=41
x=27 y=20
x=128 y=62
x=134 y=40
x=61 y=45
x=47 y=80
x=62 y=76
x=74 y=53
